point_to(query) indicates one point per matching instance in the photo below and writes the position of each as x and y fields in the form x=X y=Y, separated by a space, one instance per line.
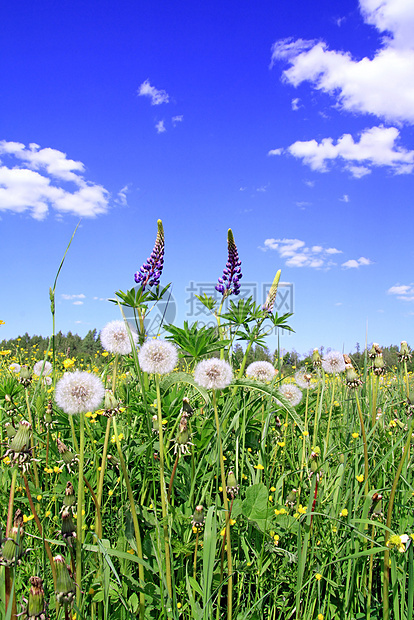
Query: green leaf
x=177 y=377
x=256 y=505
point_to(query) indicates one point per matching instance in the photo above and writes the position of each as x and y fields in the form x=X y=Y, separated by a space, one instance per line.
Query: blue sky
x=290 y=122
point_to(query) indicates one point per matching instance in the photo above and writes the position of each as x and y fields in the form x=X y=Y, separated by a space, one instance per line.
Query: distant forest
x=72 y=345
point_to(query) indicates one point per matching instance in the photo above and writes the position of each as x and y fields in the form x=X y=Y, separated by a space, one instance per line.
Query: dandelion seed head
x=292 y=393
x=79 y=392
x=213 y=374
x=261 y=371
x=305 y=379
x=157 y=357
x=14 y=367
x=115 y=338
x=333 y=362
x=37 y=368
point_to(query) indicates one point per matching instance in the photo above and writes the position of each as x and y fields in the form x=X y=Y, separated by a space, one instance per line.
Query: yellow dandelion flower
x=318 y=576
x=344 y=512
x=355 y=435
x=259 y=466
x=360 y=478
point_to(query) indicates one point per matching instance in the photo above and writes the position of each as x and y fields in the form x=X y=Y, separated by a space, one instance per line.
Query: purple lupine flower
x=229 y=282
x=150 y=272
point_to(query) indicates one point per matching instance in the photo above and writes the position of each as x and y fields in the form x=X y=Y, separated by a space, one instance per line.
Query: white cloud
x=297 y=254
x=122 y=196
x=34 y=180
x=382 y=85
x=71 y=297
x=405 y=292
x=376 y=147
x=78 y=303
x=295 y=104
x=354 y=264
x=275 y=152
x=160 y=127
x=177 y=119
x=345 y=198
x=157 y=96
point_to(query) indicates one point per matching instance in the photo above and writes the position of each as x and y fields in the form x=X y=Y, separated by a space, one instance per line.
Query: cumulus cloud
x=160 y=127
x=377 y=146
x=177 y=119
x=72 y=297
x=157 y=96
x=382 y=85
x=355 y=264
x=405 y=292
x=35 y=179
x=297 y=254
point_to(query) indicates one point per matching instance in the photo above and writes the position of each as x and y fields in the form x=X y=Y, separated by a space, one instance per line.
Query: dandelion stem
x=162 y=488
x=226 y=508
x=79 y=521
x=330 y=412
x=134 y=517
x=29 y=413
x=170 y=487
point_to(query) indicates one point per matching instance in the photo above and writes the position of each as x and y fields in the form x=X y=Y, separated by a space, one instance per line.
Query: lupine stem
x=226 y=509
x=162 y=489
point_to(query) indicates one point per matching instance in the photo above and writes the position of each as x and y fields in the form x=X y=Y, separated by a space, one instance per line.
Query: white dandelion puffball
x=333 y=362
x=305 y=379
x=213 y=374
x=292 y=393
x=115 y=338
x=157 y=357
x=262 y=371
x=79 y=392
x=15 y=368
x=37 y=368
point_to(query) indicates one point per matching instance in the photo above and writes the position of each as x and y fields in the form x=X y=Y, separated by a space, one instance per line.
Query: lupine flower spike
x=229 y=282
x=150 y=272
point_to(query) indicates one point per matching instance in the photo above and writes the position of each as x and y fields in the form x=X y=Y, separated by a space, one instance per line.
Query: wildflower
x=302 y=509
x=79 y=392
x=291 y=498
x=259 y=466
x=355 y=435
x=320 y=617
x=261 y=371
x=12 y=549
x=398 y=541
x=25 y=376
x=115 y=338
x=43 y=368
x=292 y=393
x=271 y=297
x=198 y=518
x=111 y=405
x=379 y=365
x=305 y=380
x=65 y=587
x=157 y=357
x=213 y=374
x=15 y=368
x=182 y=441
x=150 y=272
x=68 y=363
x=404 y=354
x=360 y=478
x=344 y=512
x=232 y=487
x=316 y=358
x=318 y=576
x=229 y=282
x=19 y=448
x=352 y=379
x=36 y=608
x=333 y=362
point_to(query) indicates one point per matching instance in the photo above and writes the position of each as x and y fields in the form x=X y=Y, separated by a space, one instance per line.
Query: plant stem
x=162 y=489
x=364 y=441
x=226 y=508
x=330 y=413
x=134 y=518
x=386 y=582
x=29 y=413
x=79 y=521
